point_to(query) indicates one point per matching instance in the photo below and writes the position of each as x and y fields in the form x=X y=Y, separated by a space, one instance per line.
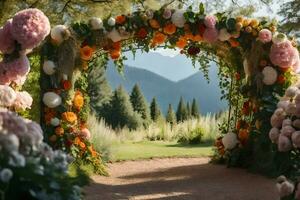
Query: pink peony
x=296 y=65
x=210 y=21
x=274 y=134
x=14 y=71
x=85 y=133
x=23 y=101
x=297 y=194
x=296 y=139
x=7 y=96
x=7 y=43
x=287 y=131
x=276 y=120
x=284 y=144
x=167 y=14
x=283 y=54
x=265 y=36
x=211 y=35
x=30 y=27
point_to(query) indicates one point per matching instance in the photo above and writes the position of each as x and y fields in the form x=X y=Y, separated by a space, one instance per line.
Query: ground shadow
x=187 y=182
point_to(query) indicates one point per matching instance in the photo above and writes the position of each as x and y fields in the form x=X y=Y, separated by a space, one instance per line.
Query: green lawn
x=158 y=149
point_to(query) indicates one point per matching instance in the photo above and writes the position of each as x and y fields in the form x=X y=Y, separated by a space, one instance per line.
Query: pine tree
x=181 y=113
x=195 y=109
x=155 y=110
x=171 y=116
x=291 y=17
x=139 y=103
x=99 y=90
x=121 y=112
x=189 y=111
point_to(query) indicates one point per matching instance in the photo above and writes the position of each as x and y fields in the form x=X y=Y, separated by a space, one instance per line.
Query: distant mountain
x=167 y=91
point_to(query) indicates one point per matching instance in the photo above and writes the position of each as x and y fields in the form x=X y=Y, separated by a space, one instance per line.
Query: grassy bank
x=157 y=149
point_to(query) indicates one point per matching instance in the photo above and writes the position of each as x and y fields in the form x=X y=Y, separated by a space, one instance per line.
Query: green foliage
x=193 y=137
x=291 y=17
x=155 y=110
x=171 y=116
x=195 y=110
x=182 y=112
x=32 y=86
x=140 y=104
x=121 y=113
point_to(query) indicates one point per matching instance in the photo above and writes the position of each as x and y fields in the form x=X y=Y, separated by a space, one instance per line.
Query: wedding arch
x=256 y=67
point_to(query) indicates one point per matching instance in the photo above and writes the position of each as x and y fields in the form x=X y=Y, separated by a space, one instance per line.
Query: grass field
x=157 y=149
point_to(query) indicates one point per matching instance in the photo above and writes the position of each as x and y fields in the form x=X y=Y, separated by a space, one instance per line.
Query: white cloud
x=167 y=52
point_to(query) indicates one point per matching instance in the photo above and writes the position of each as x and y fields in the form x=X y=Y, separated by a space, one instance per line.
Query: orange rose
x=154 y=23
x=59 y=131
x=181 y=43
x=86 y=53
x=170 y=29
x=67 y=85
x=77 y=141
x=120 y=19
x=82 y=145
x=234 y=43
x=243 y=135
x=142 y=33
x=117 y=46
x=197 y=38
x=115 y=54
x=78 y=100
x=69 y=117
x=159 y=38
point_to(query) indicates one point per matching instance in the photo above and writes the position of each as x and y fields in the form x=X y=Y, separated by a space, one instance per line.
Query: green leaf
x=201 y=9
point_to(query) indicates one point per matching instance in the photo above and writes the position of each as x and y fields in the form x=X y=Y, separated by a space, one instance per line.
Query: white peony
x=291 y=92
x=55 y=121
x=5 y=175
x=96 y=23
x=59 y=33
x=279 y=38
x=230 y=140
x=224 y=35
x=51 y=99
x=178 y=18
x=270 y=75
x=111 y=21
x=114 y=35
x=49 y=67
x=7 y=96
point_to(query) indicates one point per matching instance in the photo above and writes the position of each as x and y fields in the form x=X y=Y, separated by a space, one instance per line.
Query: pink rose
x=265 y=36
x=211 y=35
x=284 y=144
x=85 y=133
x=210 y=21
x=283 y=54
x=23 y=101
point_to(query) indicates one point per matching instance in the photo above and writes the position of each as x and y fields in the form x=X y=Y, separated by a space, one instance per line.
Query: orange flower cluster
x=154 y=23
x=142 y=33
x=170 y=29
x=158 y=38
x=69 y=117
x=78 y=101
x=115 y=51
x=243 y=129
x=86 y=52
x=220 y=146
x=49 y=114
x=121 y=19
x=79 y=142
x=59 y=131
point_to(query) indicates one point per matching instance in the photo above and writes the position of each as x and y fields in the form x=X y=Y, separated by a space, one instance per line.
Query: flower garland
x=256 y=62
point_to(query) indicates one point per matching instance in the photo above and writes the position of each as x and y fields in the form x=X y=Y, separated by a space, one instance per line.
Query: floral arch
x=256 y=66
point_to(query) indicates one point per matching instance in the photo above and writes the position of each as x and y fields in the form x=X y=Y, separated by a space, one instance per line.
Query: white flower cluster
x=286 y=121
x=230 y=140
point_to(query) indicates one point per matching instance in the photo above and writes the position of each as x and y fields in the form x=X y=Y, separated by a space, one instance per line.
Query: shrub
x=191 y=137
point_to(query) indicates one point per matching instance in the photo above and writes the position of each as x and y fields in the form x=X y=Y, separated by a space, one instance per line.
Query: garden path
x=179 y=178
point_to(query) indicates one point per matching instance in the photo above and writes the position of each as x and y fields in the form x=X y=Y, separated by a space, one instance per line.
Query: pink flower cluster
x=14 y=71
x=23 y=101
x=7 y=43
x=211 y=33
x=286 y=121
x=265 y=36
x=30 y=27
x=285 y=55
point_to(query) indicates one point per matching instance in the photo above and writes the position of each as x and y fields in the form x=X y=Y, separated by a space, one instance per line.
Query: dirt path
x=179 y=178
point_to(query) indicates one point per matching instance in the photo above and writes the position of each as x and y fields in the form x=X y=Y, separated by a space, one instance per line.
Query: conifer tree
x=189 y=111
x=139 y=103
x=195 y=110
x=121 y=112
x=155 y=110
x=181 y=113
x=171 y=116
